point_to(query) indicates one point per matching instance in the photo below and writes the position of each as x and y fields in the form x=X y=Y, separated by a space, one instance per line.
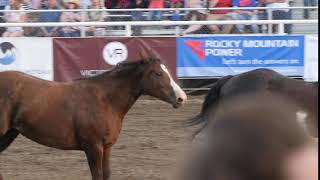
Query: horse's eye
x=159 y=73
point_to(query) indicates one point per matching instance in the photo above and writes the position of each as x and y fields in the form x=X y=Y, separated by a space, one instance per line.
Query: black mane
x=122 y=69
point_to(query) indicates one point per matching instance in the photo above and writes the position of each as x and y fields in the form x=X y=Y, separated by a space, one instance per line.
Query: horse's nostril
x=179 y=100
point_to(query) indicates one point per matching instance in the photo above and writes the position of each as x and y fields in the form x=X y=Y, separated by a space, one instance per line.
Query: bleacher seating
x=304 y=28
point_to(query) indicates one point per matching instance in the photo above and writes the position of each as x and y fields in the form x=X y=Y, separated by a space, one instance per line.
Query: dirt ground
x=150 y=147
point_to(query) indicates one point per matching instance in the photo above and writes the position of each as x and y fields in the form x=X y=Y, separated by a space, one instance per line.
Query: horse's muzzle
x=180 y=101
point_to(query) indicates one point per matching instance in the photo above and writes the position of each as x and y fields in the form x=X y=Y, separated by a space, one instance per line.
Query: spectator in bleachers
x=85 y=4
x=245 y=15
x=50 y=17
x=32 y=16
x=110 y=4
x=220 y=15
x=176 y=4
x=138 y=15
x=16 y=17
x=123 y=15
x=2 y=29
x=26 y=5
x=123 y=4
x=36 y=4
x=198 y=15
x=71 y=31
x=3 y=4
x=155 y=15
x=308 y=3
x=98 y=16
x=280 y=14
x=176 y=14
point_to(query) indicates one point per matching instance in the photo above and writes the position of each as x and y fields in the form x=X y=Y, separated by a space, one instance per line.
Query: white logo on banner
x=115 y=52
x=29 y=55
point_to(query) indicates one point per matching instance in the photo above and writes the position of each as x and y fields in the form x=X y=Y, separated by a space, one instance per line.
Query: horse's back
x=16 y=77
x=252 y=81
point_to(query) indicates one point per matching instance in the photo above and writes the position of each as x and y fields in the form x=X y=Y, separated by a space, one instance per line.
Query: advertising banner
x=83 y=57
x=30 y=55
x=228 y=55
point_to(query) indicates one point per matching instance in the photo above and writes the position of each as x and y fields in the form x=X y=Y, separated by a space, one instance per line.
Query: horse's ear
x=143 y=55
x=152 y=54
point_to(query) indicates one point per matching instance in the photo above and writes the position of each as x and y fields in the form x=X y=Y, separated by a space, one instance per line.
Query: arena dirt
x=150 y=147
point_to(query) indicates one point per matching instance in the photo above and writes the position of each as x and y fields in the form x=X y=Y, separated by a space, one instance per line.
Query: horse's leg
x=7 y=139
x=106 y=163
x=94 y=155
x=4 y=121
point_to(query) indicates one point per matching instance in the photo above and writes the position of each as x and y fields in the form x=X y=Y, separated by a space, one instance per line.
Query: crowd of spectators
x=139 y=15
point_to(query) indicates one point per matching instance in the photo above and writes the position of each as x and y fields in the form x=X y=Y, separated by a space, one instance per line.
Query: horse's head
x=158 y=82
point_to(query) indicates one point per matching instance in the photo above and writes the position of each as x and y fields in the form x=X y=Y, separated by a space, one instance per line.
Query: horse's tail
x=210 y=101
x=7 y=139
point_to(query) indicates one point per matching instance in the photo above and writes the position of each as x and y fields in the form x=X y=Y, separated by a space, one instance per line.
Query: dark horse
x=263 y=81
x=84 y=114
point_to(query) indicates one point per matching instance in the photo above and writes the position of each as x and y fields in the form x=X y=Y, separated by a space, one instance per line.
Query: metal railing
x=128 y=24
x=162 y=9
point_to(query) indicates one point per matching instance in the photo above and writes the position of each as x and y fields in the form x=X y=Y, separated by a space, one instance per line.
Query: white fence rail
x=163 y=9
x=128 y=24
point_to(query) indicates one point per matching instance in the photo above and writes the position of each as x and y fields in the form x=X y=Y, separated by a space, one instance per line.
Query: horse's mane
x=122 y=69
x=126 y=68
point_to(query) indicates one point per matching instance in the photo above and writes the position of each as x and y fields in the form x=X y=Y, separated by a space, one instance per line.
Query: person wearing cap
x=97 y=16
x=71 y=31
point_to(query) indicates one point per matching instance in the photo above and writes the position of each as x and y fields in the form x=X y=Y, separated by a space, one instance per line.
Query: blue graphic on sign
x=225 y=55
x=7 y=53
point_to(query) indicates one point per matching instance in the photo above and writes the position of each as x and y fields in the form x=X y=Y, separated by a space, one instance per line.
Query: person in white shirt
x=279 y=14
x=16 y=17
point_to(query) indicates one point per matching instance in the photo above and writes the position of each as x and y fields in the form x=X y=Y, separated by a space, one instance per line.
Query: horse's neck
x=121 y=92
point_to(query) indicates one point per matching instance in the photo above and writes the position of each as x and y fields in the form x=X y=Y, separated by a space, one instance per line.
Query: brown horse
x=84 y=114
x=263 y=81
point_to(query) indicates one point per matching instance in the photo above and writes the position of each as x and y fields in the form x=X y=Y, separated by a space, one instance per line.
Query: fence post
x=270 y=26
x=281 y=29
x=177 y=30
x=82 y=28
x=128 y=30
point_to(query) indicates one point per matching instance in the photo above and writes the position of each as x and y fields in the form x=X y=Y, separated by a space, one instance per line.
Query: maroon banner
x=82 y=57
